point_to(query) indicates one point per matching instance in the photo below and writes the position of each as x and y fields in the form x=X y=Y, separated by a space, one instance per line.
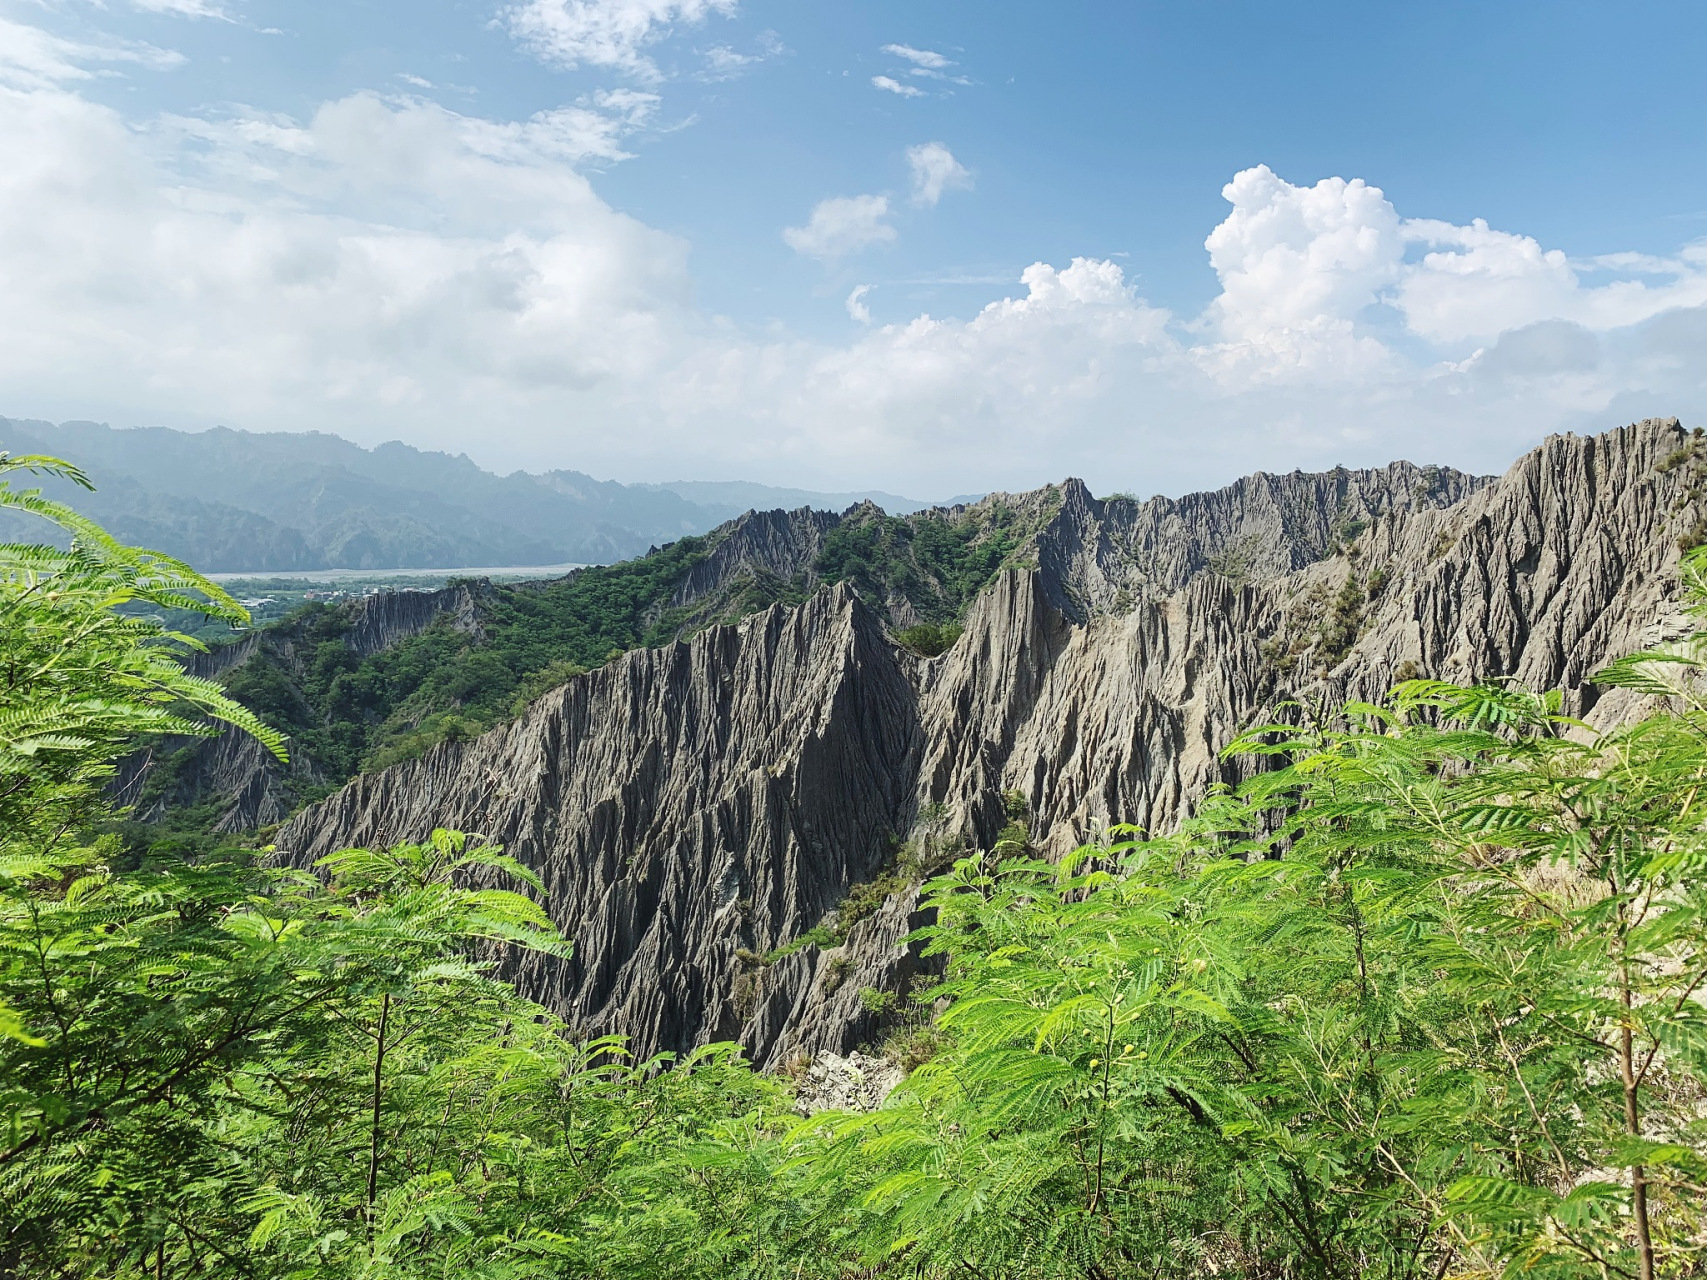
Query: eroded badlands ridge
x=692 y=809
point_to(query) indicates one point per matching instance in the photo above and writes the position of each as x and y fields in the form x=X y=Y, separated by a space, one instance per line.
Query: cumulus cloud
x=1297 y=265
x=891 y=85
x=926 y=58
x=935 y=170
x=384 y=257
x=605 y=33
x=1475 y=283
x=943 y=398
x=842 y=225
x=389 y=268
x=1308 y=273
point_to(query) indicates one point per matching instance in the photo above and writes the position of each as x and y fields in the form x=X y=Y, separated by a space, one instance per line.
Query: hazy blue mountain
x=237 y=501
x=735 y=496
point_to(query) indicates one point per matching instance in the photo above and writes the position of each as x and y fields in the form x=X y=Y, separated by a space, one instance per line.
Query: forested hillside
x=1422 y=999
x=241 y=501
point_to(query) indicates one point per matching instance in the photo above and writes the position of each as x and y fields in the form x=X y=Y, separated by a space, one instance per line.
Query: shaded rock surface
x=696 y=810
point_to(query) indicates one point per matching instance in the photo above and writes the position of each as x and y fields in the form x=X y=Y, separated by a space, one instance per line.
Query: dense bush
x=1424 y=1002
x=212 y=1068
x=929 y=639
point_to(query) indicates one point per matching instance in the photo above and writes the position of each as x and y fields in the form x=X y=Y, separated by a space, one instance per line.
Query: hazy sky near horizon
x=931 y=247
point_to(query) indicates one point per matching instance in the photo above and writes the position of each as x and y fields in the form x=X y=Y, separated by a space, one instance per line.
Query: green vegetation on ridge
x=347 y=712
x=937 y=565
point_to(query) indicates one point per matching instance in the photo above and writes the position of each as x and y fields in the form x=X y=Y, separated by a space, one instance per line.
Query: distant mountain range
x=240 y=501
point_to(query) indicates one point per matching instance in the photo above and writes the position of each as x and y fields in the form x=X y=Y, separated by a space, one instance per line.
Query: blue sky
x=721 y=238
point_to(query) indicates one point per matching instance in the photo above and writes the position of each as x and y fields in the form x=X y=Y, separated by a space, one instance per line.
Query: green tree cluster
x=935 y=563
x=346 y=712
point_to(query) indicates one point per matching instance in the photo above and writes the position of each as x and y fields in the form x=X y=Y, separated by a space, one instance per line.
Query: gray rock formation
x=696 y=810
x=1093 y=556
x=780 y=544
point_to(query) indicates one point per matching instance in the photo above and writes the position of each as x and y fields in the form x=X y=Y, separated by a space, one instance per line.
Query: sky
x=931 y=247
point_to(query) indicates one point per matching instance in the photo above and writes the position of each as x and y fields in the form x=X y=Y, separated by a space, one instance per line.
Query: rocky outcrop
x=386 y=618
x=1102 y=557
x=696 y=811
x=780 y=544
x=1094 y=556
x=858 y=1082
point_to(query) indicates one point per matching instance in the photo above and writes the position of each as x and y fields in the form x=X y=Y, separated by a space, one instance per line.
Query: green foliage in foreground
x=1424 y=1001
x=1427 y=1001
x=78 y=678
x=209 y=1068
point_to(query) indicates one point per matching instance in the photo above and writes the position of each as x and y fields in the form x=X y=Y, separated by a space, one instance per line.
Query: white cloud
x=385 y=258
x=924 y=64
x=935 y=170
x=31 y=58
x=389 y=268
x=1297 y=265
x=182 y=8
x=1475 y=283
x=593 y=130
x=926 y=58
x=605 y=33
x=842 y=225
x=418 y=81
x=1308 y=273
x=724 y=63
x=890 y=85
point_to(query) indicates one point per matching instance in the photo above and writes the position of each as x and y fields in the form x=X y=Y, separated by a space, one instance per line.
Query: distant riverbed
x=370 y=575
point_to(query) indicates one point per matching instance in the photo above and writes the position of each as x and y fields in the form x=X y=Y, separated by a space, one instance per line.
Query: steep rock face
x=1100 y=557
x=390 y=617
x=694 y=809
x=681 y=804
x=781 y=544
x=1565 y=562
